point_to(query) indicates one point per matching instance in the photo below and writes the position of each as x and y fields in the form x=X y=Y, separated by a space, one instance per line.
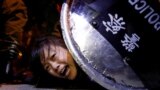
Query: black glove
x=9 y=50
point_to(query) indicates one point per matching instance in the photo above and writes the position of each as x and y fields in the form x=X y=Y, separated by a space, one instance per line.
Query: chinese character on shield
x=130 y=42
x=115 y=24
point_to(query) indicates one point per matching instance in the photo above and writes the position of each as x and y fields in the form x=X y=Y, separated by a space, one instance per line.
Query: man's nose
x=55 y=65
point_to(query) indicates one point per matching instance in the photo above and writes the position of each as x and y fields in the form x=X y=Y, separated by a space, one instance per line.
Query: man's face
x=58 y=62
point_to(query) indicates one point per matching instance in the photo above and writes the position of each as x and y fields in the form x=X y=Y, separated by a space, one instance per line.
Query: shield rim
x=78 y=57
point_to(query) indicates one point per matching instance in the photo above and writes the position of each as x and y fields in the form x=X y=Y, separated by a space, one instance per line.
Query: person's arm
x=15 y=12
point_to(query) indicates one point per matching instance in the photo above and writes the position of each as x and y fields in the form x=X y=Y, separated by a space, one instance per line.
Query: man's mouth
x=65 y=71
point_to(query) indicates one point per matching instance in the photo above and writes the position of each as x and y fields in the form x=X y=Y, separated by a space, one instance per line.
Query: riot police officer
x=13 y=17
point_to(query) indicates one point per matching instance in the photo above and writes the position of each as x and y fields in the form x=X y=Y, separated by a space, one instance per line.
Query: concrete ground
x=22 y=87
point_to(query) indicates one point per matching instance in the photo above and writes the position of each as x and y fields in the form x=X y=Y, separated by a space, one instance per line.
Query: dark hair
x=36 y=49
x=40 y=43
x=38 y=46
x=41 y=77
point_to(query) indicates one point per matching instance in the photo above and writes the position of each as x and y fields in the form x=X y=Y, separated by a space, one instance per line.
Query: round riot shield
x=114 y=41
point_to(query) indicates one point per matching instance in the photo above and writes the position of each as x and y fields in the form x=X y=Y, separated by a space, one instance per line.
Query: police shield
x=114 y=41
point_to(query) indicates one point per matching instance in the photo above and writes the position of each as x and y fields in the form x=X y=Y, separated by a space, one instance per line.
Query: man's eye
x=47 y=67
x=52 y=57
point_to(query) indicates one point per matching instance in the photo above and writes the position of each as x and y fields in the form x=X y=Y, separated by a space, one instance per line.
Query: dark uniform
x=13 y=17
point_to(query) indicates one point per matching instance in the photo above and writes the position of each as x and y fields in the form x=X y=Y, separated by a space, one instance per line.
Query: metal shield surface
x=103 y=36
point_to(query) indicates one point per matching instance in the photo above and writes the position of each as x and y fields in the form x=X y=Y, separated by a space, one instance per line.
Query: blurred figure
x=13 y=17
